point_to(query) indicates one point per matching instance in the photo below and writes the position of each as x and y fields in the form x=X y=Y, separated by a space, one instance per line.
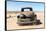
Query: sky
x=16 y=6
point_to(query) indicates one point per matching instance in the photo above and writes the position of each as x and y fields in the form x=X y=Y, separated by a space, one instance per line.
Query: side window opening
x=27 y=8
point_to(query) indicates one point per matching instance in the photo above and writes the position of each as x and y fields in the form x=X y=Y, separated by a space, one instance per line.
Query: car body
x=26 y=17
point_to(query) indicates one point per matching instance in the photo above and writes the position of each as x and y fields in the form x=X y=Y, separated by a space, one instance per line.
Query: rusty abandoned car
x=27 y=18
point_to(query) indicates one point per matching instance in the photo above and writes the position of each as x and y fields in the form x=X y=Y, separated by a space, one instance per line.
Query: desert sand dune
x=12 y=21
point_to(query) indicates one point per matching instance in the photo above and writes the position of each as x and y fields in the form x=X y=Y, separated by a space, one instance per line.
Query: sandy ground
x=11 y=22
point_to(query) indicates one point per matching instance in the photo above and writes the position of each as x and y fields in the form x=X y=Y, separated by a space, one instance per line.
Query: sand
x=12 y=21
